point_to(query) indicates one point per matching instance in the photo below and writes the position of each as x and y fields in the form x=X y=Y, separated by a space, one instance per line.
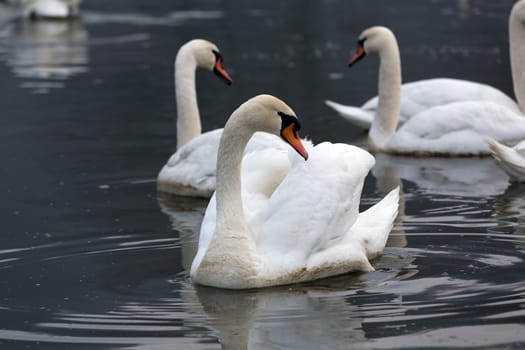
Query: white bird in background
x=287 y=220
x=54 y=9
x=190 y=171
x=457 y=128
x=421 y=95
x=512 y=159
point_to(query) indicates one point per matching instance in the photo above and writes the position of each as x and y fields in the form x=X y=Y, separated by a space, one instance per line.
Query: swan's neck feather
x=234 y=139
x=232 y=248
x=188 y=118
x=389 y=105
x=517 y=53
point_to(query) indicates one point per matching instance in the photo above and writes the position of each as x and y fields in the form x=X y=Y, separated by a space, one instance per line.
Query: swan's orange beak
x=220 y=71
x=291 y=135
x=359 y=54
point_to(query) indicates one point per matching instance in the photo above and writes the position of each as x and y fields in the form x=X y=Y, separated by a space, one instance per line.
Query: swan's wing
x=421 y=95
x=510 y=159
x=458 y=128
x=373 y=226
x=359 y=116
x=315 y=204
x=441 y=91
x=192 y=168
x=365 y=240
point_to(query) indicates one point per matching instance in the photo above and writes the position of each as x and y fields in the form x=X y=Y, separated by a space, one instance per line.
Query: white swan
x=290 y=221
x=457 y=128
x=191 y=169
x=420 y=95
x=50 y=8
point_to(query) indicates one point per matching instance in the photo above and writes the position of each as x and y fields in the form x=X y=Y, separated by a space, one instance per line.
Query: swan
x=50 y=8
x=191 y=169
x=290 y=220
x=423 y=94
x=457 y=128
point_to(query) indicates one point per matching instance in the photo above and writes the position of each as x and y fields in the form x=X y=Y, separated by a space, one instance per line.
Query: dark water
x=92 y=257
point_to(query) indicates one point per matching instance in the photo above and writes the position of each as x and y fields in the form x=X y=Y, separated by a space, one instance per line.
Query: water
x=92 y=257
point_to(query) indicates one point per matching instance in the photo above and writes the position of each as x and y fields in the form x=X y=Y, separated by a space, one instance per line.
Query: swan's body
x=289 y=221
x=50 y=8
x=457 y=128
x=419 y=96
x=511 y=159
x=191 y=170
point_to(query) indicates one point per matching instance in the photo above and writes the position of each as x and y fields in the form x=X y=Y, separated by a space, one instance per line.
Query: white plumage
x=419 y=96
x=453 y=128
x=511 y=159
x=293 y=220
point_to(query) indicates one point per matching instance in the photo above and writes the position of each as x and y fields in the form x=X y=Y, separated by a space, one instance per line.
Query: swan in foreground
x=50 y=8
x=421 y=95
x=457 y=128
x=287 y=220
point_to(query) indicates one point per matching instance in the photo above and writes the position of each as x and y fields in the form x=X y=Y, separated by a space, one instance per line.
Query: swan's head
x=372 y=40
x=270 y=114
x=208 y=56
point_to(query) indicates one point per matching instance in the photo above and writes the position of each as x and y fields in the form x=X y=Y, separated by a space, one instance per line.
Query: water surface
x=92 y=257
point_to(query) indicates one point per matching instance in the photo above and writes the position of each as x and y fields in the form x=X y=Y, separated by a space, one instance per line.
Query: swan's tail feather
x=510 y=160
x=354 y=115
x=373 y=226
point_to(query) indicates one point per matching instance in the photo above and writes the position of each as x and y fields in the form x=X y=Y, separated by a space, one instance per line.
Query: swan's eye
x=287 y=119
x=217 y=55
x=361 y=42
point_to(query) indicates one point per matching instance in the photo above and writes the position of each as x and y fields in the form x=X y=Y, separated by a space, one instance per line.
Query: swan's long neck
x=389 y=105
x=232 y=246
x=228 y=193
x=188 y=118
x=517 y=55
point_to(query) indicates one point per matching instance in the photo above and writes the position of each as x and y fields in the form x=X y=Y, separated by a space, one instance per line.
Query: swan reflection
x=463 y=176
x=44 y=54
x=185 y=214
x=509 y=209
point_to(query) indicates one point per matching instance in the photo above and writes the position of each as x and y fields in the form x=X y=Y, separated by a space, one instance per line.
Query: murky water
x=92 y=257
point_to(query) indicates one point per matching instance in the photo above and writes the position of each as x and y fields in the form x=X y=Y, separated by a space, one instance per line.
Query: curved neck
x=234 y=139
x=517 y=57
x=188 y=118
x=389 y=104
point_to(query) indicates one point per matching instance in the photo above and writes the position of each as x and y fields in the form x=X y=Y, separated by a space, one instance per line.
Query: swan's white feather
x=458 y=128
x=421 y=95
x=511 y=159
x=191 y=170
x=305 y=215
